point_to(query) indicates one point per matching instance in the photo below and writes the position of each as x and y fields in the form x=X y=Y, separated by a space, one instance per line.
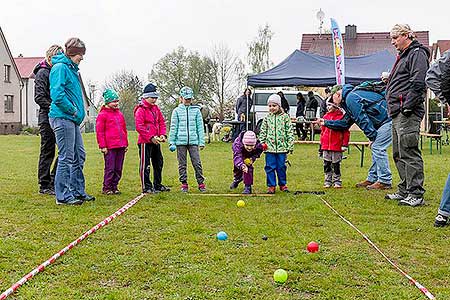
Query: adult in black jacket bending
x=48 y=141
x=405 y=94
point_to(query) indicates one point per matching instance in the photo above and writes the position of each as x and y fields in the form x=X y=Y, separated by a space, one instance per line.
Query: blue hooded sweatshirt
x=65 y=90
x=365 y=108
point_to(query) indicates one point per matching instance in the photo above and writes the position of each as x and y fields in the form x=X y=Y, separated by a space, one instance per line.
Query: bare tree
x=129 y=87
x=258 y=50
x=229 y=80
x=182 y=68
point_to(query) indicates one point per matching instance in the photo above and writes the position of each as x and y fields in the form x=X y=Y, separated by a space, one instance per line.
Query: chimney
x=350 y=32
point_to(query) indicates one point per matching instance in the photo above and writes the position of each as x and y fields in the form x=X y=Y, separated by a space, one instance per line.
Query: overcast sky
x=135 y=34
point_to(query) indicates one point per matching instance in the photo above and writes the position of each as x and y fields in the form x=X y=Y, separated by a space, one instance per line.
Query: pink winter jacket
x=111 y=129
x=149 y=122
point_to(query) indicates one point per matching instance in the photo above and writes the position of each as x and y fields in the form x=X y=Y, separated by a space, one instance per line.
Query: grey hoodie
x=406 y=88
x=434 y=76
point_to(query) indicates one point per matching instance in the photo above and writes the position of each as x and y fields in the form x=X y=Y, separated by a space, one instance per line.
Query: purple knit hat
x=249 y=138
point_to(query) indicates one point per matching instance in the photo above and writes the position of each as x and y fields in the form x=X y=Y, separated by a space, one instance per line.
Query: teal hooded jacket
x=186 y=126
x=65 y=90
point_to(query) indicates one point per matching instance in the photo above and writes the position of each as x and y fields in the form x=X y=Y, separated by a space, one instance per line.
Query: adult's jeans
x=69 y=179
x=407 y=155
x=444 y=207
x=46 y=174
x=380 y=171
x=275 y=166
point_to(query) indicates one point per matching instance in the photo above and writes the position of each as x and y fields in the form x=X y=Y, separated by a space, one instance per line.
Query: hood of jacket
x=415 y=44
x=62 y=58
x=42 y=65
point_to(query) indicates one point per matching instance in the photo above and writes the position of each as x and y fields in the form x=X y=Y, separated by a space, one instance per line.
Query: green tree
x=129 y=87
x=183 y=68
x=258 y=50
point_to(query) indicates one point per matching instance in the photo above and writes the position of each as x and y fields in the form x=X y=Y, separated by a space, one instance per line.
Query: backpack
x=378 y=87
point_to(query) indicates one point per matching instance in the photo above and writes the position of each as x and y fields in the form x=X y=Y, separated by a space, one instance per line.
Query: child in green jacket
x=276 y=133
x=186 y=133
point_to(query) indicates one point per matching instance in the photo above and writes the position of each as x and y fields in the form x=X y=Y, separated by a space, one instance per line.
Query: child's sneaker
x=327 y=185
x=234 y=184
x=337 y=185
x=440 y=221
x=284 y=188
x=184 y=187
x=247 y=190
x=202 y=187
x=271 y=190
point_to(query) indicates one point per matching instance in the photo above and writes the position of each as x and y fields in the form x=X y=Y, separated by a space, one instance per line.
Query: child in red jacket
x=151 y=126
x=333 y=143
x=112 y=140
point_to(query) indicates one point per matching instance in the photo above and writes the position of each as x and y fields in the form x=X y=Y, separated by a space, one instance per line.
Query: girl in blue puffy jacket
x=186 y=133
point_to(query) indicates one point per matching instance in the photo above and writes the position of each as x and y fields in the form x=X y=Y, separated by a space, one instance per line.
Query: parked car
x=260 y=109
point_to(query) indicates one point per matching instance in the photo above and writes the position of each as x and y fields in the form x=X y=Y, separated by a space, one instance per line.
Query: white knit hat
x=274 y=98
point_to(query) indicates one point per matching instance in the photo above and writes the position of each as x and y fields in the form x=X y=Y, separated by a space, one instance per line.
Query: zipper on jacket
x=276 y=142
x=187 y=123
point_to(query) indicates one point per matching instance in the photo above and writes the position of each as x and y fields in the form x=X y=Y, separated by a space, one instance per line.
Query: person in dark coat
x=284 y=102
x=46 y=174
x=405 y=93
x=311 y=105
x=243 y=105
x=300 y=114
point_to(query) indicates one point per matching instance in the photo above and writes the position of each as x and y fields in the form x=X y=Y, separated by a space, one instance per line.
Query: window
x=7 y=73
x=9 y=103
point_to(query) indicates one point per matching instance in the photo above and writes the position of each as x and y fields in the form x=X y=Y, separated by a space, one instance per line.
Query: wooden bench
x=431 y=136
x=359 y=145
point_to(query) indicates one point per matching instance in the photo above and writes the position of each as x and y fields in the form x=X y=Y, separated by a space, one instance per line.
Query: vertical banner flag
x=338 y=47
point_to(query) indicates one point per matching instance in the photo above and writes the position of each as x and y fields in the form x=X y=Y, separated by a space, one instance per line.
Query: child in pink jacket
x=112 y=140
x=151 y=126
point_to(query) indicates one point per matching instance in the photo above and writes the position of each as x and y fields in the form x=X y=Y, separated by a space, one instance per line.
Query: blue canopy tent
x=303 y=68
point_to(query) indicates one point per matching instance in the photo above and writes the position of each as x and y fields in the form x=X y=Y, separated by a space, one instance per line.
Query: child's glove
x=344 y=148
x=248 y=162
x=264 y=146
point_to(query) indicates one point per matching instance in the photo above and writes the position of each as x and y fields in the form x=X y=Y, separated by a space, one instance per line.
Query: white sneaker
x=412 y=201
x=394 y=196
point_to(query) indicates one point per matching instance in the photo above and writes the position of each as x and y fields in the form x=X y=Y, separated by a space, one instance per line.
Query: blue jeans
x=275 y=162
x=444 y=207
x=380 y=171
x=69 y=179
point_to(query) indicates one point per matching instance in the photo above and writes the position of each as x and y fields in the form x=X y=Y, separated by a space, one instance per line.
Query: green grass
x=165 y=248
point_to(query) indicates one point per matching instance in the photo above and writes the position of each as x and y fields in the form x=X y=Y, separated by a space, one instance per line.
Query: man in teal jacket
x=66 y=114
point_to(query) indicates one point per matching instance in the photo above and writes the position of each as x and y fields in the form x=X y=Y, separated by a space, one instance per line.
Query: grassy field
x=165 y=247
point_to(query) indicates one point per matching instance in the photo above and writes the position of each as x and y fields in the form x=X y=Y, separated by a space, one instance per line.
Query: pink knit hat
x=249 y=138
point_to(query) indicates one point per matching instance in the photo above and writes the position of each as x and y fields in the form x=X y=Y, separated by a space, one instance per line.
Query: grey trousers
x=332 y=167
x=407 y=155
x=195 y=160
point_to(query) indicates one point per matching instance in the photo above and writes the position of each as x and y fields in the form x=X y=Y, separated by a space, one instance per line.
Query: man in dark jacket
x=405 y=94
x=311 y=106
x=48 y=141
x=243 y=106
x=369 y=111
x=438 y=80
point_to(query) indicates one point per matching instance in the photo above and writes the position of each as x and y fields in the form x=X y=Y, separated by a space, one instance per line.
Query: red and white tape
x=412 y=280
x=52 y=259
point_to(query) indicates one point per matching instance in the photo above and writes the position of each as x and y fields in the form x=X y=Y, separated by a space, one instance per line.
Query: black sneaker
x=86 y=198
x=149 y=191
x=234 y=184
x=162 y=188
x=74 y=201
x=48 y=191
x=440 y=221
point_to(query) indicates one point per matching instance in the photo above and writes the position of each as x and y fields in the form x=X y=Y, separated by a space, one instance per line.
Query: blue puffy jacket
x=65 y=90
x=365 y=108
x=186 y=126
